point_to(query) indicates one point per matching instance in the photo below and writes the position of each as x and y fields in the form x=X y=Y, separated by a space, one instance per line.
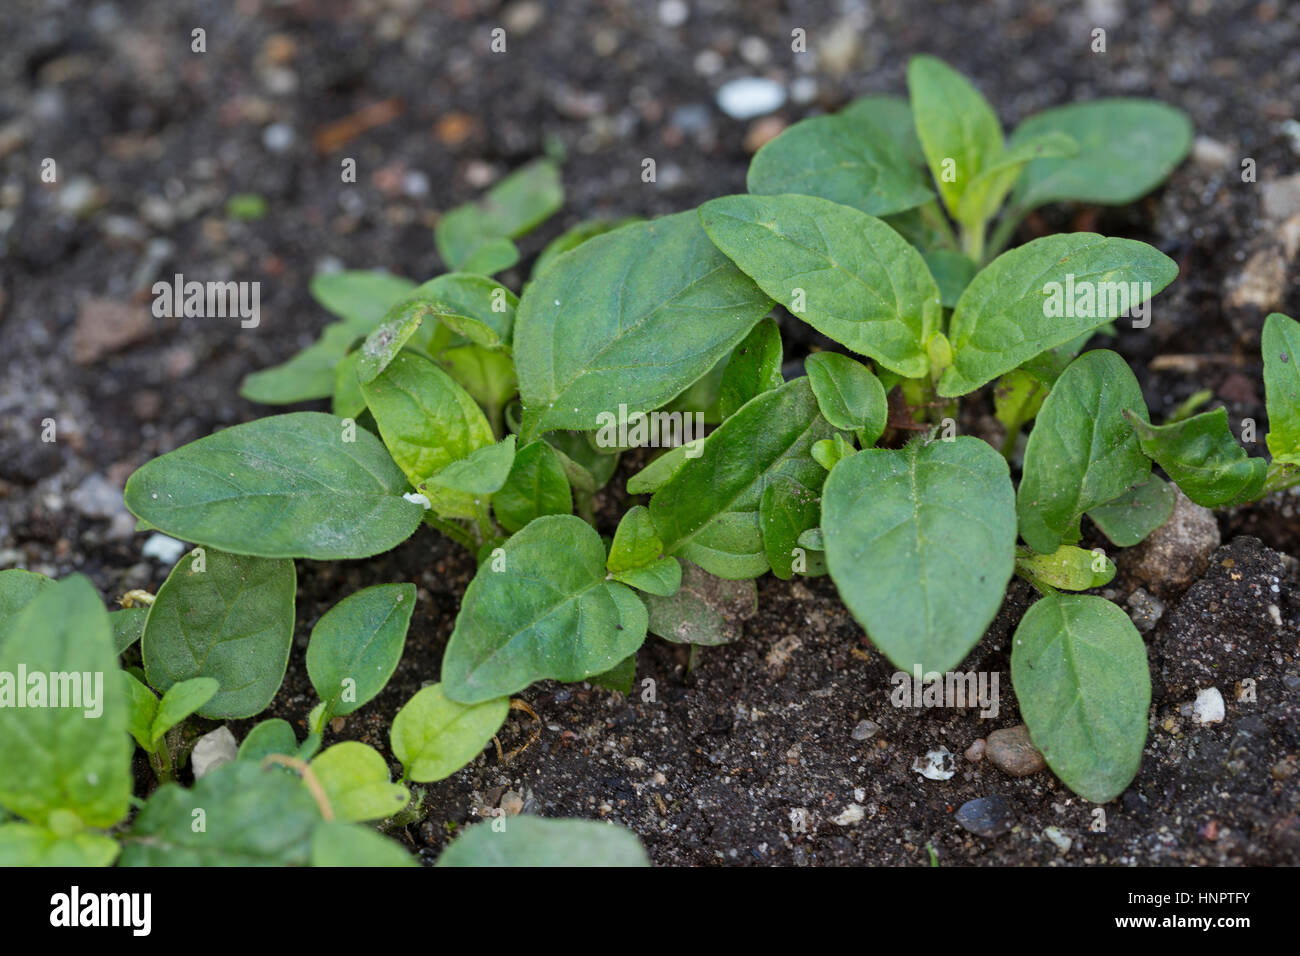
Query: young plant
x=485 y=416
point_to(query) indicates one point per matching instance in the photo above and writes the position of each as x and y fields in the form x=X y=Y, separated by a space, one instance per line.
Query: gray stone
x=1145 y=610
x=986 y=816
x=1178 y=552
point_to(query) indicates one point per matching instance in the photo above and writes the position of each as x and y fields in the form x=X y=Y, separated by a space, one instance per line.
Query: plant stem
x=451 y=529
x=1005 y=230
x=972 y=243
x=1279 y=477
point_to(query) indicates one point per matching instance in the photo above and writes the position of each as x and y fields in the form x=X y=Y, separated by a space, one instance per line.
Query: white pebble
x=936 y=765
x=750 y=96
x=212 y=750
x=1208 y=708
x=163 y=549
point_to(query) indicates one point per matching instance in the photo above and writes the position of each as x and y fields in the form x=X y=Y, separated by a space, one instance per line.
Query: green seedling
x=461 y=407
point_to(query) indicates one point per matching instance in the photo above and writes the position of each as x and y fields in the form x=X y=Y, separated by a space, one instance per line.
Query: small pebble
x=212 y=750
x=975 y=752
x=852 y=814
x=750 y=97
x=1012 y=752
x=865 y=730
x=1058 y=837
x=986 y=816
x=1208 y=708
x=935 y=765
x=1145 y=610
x=163 y=549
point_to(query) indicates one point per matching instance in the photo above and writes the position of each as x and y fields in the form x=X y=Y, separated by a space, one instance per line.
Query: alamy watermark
x=651 y=430
x=1086 y=299
x=41 y=689
x=953 y=689
x=208 y=300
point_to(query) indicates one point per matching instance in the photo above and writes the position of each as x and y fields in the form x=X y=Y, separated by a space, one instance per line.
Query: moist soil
x=748 y=754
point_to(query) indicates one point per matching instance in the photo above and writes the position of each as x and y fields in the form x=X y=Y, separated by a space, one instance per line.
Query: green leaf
x=1017 y=398
x=636 y=544
x=306 y=376
x=846 y=274
x=920 y=542
x=237 y=815
x=982 y=197
x=959 y=131
x=1082 y=452
x=1281 y=347
x=1047 y=366
x=18 y=588
x=280 y=487
x=1080 y=673
x=662 y=577
x=1129 y=518
x=952 y=271
x=274 y=736
x=22 y=844
x=427 y=421
x=360 y=298
x=474 y=306
x=74 y=757
x=434 y=736
x=1069 y=568
x=892 y=115
x=572 y=238
x=708 y=512
x=787 y=509
x=345 y=844
x=347 y=400
x=356 y=645
x=482 y=472
x=631 y=317
x=541 y=609
x=226 y=616
x=1032 y=299
x=489 y=376
x=487 y=256
x=656 y=474
x=528 y=842
x=621 y=677
x=588 y=466
x=846 y=159
x=181 y=699
x=356 y=782
x=1127 y=147
x=142 y=708
x=514 y=206
x=1203 y=458
x=390 y=337
x=754 y=368
x=849 y=396
x=536 y=486
x=706 y=610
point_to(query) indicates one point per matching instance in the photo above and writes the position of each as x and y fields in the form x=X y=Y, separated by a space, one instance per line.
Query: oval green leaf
x=434 y=736
x=356 y=645
x=1080 y=673
x=628 y=318
x=228 y=617
x=920 y=542
x=847 y=274
x=1082 y=452
x=542 y=608
x=288 y=486
x=1042 y=295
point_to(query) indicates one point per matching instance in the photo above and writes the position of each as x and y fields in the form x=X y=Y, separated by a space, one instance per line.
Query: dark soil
x=151 y=139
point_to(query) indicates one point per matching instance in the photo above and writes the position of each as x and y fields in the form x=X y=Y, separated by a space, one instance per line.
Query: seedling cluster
x=485 y=415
